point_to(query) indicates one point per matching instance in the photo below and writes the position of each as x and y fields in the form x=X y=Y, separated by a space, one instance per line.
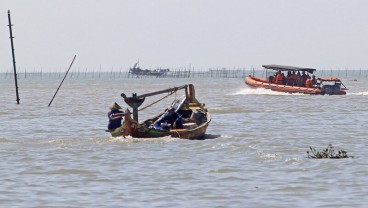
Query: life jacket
x=308 y=83
x=279 y=79
x=274 y=80
x=293 y=77
x=113 y=124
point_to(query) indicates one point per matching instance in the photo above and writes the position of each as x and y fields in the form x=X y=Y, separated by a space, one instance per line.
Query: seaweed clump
x=329 y=152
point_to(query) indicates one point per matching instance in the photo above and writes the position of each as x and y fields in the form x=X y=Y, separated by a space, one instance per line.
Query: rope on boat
x=177 y=134
x=156 y=101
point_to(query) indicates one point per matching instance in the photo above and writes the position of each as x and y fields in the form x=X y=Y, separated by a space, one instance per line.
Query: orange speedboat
x=322 y=86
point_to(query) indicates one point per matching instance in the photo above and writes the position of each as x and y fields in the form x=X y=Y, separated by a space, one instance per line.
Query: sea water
x=254 y=154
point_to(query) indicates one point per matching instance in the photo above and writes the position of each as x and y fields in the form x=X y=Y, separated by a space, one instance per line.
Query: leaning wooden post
x=12 y=47
x=62 y=81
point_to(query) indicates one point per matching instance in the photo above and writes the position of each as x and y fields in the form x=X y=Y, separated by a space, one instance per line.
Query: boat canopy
x=288 y=68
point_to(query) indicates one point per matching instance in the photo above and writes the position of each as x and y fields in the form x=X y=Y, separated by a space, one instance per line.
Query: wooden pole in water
x=62 y=81
x=12 y=47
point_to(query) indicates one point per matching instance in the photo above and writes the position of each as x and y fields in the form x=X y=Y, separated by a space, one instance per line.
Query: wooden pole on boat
x=135 y=108
x=62 y=81
x=12 y=47
x=136 y=100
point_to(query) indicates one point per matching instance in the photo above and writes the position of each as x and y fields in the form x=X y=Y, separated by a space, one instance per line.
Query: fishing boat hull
x=194 y=115
x=141 y=130
x=262 y=83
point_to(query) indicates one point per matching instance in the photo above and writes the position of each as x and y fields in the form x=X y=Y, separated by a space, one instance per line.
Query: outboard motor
x=327 y=89
x=336 y=88
x=331 y=89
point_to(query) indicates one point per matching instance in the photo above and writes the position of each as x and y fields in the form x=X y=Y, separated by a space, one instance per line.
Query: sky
x=114 y=34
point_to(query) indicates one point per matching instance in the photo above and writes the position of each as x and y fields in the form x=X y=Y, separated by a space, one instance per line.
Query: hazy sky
x=322 y=34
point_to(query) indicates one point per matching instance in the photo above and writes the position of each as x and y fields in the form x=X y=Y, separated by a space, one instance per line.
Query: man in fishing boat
x=169 y=117
x=115 y=116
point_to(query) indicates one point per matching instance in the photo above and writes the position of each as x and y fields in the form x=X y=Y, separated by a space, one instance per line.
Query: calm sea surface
x=255 y=154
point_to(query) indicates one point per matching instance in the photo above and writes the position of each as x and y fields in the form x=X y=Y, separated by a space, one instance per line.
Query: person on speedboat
x=279 y=78
x=314 y=81
x=308 y=82
x=299 y=80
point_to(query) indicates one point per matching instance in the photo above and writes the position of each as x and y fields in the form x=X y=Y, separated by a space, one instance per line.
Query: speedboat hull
x=262 y=83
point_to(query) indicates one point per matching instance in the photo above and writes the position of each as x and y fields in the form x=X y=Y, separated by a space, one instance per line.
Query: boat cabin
x=330 y=86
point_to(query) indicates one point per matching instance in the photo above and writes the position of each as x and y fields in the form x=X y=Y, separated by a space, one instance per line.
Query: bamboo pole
x=62 y=81
x=12 y=47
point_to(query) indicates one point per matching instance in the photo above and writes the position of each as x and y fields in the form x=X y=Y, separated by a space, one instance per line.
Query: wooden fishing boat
x=195 y=116
x=324 y=86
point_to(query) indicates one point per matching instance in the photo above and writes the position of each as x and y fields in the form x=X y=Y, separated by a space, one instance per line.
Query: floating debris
x=329 y=152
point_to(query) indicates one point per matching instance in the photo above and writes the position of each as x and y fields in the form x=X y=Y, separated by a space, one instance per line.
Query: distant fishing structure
x=178 y=72
x=62 y=81
x=15 y=68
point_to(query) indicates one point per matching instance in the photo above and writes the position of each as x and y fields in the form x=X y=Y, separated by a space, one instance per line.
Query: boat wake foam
x=358 y=93
x=262 y=91
x=159 y=140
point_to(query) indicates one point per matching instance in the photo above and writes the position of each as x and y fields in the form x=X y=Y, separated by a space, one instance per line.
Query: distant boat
x=324 y=86
x=137 y=71
x=194 y=113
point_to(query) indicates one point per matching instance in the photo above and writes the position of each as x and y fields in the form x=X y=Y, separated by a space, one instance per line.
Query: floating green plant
x=329 y=152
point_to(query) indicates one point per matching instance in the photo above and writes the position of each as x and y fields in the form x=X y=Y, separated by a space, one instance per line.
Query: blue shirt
x=113 y=124
x=171 y=119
